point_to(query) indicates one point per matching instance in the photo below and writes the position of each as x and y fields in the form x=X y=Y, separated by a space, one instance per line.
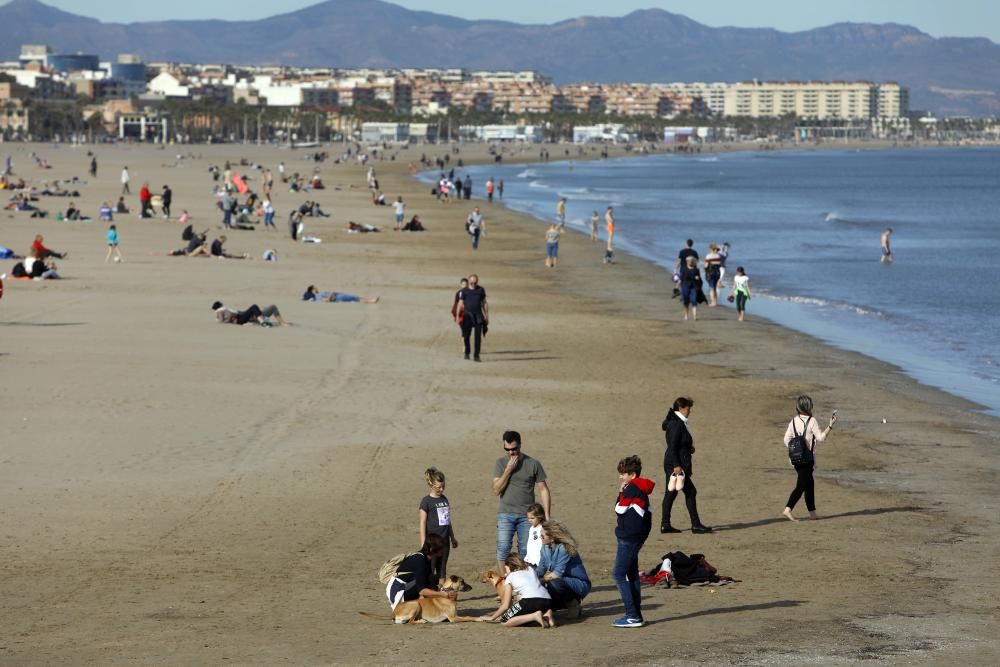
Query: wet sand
x=173 y=491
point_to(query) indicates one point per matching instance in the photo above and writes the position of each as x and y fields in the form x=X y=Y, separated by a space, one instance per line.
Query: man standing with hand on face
x=516 y=478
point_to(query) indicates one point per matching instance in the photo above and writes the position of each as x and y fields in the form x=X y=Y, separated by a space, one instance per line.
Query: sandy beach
x=177 y=492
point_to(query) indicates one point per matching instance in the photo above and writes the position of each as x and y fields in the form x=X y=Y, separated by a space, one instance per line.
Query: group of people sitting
x=198 y=246
x=38 y=264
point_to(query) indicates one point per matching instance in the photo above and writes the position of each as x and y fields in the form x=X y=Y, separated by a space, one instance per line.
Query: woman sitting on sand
x=414 y=225
x=313 y=294
x=534 y=604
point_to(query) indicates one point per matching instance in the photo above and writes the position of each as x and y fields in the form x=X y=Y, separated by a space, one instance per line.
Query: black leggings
x=439 y=565
x=690 y=499
x=804 y=484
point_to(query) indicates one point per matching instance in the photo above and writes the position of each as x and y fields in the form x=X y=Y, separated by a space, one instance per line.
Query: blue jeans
x=507 y=524
x=475 y=241
x=626 y=575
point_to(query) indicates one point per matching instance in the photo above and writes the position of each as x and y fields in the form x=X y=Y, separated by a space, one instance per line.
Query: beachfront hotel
x=819 y=100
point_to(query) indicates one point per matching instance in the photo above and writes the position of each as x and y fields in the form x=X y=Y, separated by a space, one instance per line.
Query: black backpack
x=799 y=452
x=188 y=233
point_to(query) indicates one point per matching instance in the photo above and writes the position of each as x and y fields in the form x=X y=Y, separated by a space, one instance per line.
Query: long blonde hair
x=561 y=535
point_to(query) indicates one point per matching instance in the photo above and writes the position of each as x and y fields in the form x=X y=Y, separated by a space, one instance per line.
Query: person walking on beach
x=552 y=246
x=677 y=463
x=609 y=220
x=886 y=250
x=165 y=200
x=475 y=226
x=473 y=315
x=145 y=202
x=516 y=479
x=741 y=292
x=594 y=220
x=500 y=189
x=713 y=274
x=112 y=237
x=93 y=167
x=489 y=191
x=561 y=213
x=804 y=426
x=690 y=280
x=125 y=180
x=635 y=519
x=467 y=186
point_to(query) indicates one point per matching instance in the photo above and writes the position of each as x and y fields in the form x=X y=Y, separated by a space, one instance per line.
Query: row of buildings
x=126 y=83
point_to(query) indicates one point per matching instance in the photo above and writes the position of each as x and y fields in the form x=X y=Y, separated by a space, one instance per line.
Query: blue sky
x=959 y=18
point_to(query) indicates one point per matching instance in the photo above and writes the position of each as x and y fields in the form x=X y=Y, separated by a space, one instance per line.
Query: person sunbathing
x=254 y=314
x=355 y=228
x=313 y=294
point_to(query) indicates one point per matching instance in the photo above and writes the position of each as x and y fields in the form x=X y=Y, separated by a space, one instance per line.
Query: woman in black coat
x=677 y=459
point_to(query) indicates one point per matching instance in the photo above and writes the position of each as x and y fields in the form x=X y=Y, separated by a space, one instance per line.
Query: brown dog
x=431 y=610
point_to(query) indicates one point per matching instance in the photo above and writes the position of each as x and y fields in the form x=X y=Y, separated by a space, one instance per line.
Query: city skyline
x=960 y=18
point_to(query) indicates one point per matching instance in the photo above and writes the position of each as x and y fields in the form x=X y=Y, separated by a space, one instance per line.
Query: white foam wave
x=824 y=303
x=538 y=185
x=528 y=173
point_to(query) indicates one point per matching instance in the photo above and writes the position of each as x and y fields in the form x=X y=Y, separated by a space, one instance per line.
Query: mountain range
x=949 y=76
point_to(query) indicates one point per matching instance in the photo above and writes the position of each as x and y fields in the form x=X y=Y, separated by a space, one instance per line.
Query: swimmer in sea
x=886 y=251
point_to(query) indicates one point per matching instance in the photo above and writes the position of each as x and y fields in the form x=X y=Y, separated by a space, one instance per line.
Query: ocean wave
x=824 y=303
x=528 y=173
x=857 y=221
x=706 y=159
x=538 y=185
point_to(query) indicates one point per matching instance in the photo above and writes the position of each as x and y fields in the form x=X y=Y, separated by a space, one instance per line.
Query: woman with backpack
x=801 y=437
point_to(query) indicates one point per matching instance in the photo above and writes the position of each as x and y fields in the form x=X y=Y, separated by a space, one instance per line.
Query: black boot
x=698 y=528
x=667 y=528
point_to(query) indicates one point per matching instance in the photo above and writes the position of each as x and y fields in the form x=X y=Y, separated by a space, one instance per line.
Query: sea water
x=806 y=225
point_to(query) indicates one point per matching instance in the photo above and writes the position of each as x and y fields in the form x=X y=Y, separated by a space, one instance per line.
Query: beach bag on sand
x=19 y=271
x=799 y=453
x=188 y=233
x=390 y=568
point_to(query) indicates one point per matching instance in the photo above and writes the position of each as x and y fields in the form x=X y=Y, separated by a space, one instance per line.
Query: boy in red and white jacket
x=635 y=518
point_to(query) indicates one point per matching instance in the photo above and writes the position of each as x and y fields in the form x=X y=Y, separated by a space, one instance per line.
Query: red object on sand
x=241 y=187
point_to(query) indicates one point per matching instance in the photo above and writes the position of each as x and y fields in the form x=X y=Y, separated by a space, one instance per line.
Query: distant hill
x=950 y=76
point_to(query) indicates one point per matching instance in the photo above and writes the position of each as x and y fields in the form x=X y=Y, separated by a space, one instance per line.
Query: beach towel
x=241 y=187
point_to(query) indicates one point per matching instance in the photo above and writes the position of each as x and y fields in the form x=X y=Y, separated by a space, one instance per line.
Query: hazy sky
x=960 y=18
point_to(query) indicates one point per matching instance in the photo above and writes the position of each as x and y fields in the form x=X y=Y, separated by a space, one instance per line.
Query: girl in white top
x=804 y=424
x=741 y=291
x=533 y=554
x=534 y=604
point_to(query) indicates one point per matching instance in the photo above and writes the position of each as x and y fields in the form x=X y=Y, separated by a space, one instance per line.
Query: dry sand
x=176 y=492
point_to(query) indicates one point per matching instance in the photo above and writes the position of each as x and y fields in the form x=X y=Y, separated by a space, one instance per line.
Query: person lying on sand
x=313 y=294
x=355 y=228
x=253 y=314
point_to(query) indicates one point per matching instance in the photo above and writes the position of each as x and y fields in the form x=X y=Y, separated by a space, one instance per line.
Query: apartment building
x=818 y=100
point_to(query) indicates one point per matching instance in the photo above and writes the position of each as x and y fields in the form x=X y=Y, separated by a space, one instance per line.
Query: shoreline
x=781 y=305
x=194 y=494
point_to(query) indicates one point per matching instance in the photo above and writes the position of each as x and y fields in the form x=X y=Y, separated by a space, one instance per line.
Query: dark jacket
x=635 y=518
x=680 y=444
